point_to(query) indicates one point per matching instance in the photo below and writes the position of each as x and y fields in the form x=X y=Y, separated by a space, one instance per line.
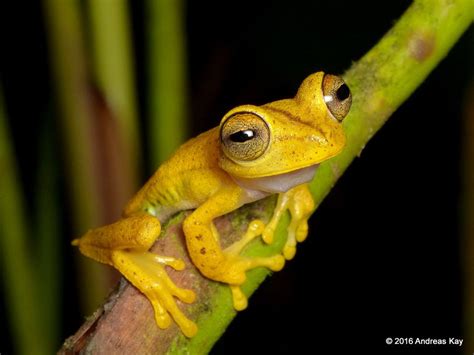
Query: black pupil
x=242 y=136
x=343 y=92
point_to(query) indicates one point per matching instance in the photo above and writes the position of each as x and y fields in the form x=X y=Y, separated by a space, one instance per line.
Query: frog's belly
x=261 y=187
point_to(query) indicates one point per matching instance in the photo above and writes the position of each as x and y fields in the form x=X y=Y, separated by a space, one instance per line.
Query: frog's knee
x=145 y=229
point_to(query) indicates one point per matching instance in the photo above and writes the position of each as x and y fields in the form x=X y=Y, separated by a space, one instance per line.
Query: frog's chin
x=277 y=183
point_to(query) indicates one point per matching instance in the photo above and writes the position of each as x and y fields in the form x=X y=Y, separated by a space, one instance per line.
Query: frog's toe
x=162 y=318
x=189 y=328
x=234 y=266
x=276 y=263
x=302 y=231
x=184 y=295
x=297 y=232
x=239 y=299
x=289 y=251
x=161 y=295
x=267 y=234
x=256 y=227
x=176 y=264
x=240 y=266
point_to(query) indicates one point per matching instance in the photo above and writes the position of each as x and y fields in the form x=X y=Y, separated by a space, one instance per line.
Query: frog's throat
x=277 y=183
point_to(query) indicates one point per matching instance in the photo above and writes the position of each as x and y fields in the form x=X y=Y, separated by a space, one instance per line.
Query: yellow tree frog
x=256 y=151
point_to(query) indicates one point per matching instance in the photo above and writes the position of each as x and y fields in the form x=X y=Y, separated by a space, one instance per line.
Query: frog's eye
x=245 y=136
x=337 y=96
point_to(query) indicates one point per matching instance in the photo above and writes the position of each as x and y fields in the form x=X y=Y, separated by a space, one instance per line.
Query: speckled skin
x=201 y=176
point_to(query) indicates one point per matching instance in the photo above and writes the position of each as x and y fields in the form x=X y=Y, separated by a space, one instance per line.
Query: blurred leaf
x=78 y=140
x=167 y=78
x=20 y=280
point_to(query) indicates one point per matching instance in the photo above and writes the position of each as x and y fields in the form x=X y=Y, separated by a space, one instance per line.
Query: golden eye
x=337 y=96
x=245 y=136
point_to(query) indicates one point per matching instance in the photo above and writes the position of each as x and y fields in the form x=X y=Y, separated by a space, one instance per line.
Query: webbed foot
x=146 y=272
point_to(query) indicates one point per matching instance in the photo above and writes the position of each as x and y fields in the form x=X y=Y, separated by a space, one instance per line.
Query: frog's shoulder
x=201 y=152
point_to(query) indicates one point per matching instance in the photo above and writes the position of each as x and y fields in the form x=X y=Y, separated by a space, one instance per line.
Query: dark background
x=383 y=257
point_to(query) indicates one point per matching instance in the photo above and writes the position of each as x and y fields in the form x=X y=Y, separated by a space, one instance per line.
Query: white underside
x=258 y=188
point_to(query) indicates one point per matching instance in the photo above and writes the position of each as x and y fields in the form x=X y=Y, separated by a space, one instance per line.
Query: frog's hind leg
x=125 y=245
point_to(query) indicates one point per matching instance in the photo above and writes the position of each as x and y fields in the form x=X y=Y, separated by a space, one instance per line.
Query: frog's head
x=286 y=135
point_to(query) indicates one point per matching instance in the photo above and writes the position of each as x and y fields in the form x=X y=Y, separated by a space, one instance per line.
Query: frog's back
x=201 y=152
x=168 y=185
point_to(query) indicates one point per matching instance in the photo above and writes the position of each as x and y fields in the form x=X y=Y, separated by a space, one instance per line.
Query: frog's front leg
x=300 y=203
x=227 y=265
x=124 y=245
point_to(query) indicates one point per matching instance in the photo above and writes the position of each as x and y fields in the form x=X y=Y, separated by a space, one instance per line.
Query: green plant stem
x=75 y=110
x=167 y=78
x=19 y=279
x=380 y=82
x=114 y=72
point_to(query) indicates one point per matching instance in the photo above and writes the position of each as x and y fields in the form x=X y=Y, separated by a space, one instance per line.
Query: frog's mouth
x=278 y=183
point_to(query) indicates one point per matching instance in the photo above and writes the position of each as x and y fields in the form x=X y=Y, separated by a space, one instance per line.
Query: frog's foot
x=297 y=232
x=300 y=204
x=146 y=272
x=235 y=265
